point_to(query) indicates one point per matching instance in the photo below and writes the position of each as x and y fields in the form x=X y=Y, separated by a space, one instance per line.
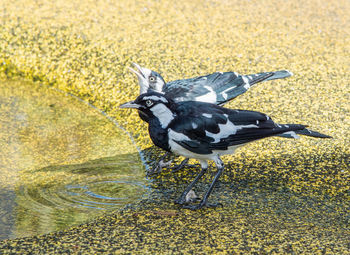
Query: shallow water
x=62 y=162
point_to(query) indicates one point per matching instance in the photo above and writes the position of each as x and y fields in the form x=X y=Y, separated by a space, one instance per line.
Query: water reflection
x=92 y=188
x=61 y=161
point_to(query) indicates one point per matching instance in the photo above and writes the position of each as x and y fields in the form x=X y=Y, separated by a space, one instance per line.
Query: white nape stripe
x=163 y=114
x=227 y=129
x=156 y=98
x=194 y=125
x=207 y=115
x=209 y=97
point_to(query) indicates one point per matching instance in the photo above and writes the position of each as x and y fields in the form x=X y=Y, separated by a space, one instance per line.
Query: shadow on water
x=67 y=195
x=61 y=161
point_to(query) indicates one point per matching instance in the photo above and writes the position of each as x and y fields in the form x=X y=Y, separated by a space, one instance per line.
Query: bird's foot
x=158 y=167
x=201 y=205
x=190 y=197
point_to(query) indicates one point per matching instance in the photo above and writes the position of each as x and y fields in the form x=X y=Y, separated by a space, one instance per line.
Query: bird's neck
x=163 y=114
x=158 y=134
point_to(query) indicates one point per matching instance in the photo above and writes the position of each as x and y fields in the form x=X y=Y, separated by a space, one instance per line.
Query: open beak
x=139 y=73
x=130 y=104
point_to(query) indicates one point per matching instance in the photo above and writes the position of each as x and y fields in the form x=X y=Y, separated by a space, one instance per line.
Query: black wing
x=210 y=127
x=217 y=88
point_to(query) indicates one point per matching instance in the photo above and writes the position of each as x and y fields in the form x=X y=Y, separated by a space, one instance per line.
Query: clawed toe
x=193 y=206
x=180 y=201
x=201 y=205
x=214 y=205
x=158 y=167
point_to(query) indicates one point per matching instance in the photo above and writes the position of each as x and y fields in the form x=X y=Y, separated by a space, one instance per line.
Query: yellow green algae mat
x=61 y=161
x=278 y=195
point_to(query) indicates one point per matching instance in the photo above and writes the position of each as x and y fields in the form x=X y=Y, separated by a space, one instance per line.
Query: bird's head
x=148 y=80
x=153 y=105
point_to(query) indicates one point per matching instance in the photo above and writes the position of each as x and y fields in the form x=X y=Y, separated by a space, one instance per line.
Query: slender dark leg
x=159 y=165
x=182 y=199
x=202 y=203
x=180 y=166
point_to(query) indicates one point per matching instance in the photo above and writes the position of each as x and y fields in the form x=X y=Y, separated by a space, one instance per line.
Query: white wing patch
x=209 y=97
x=173 y=135
x=246 y=81
x=207 y=115
x=163 y=114
x=227 y=129
x=292 y=134
x=224 y=93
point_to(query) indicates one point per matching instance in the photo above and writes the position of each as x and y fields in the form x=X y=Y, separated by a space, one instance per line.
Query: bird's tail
x=279 y=75
x=241 y=83
x=305 y=131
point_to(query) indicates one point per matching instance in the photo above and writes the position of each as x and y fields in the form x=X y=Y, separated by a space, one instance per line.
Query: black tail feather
x=244 y=82
x=305 y=131
x=309 y=132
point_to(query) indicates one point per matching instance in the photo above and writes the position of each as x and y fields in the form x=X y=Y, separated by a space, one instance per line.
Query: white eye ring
x=152 y=78
x=149 y=103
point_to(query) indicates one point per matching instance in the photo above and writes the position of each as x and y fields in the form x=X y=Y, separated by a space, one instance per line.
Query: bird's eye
x=152 y=79
x=149 y=103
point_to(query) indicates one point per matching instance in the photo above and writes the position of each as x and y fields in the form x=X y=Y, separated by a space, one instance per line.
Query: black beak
x=130 y=104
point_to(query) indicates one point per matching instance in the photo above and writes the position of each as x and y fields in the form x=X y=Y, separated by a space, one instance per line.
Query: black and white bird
x=217 y=88
x=205 y=131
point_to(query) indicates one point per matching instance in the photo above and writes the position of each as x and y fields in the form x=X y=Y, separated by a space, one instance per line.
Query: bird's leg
x=220 y=167
x=182 y=199
x=181 y=165
x=159 y=165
